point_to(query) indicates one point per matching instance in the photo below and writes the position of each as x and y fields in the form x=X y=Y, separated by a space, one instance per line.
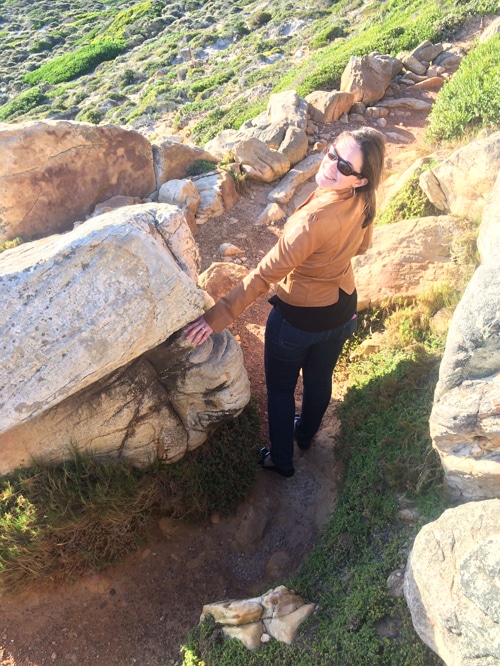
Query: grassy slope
x=197 y=61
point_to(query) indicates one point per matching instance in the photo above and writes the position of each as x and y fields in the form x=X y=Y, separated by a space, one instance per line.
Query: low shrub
x=260 y=18
x=200 y=166
x=410 y=202
x=327 y=35
x=24 y=102
x=72 y=65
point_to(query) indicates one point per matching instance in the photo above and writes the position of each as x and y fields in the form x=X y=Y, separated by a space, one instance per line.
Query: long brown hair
x=372 y=145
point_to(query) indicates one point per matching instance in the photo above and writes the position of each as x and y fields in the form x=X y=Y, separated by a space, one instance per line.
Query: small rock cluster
x=276 y=614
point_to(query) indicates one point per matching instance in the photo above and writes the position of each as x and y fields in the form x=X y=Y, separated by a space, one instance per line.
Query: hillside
x=198 y=66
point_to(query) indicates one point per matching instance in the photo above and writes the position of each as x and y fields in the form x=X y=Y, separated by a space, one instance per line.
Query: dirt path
x=140 y=612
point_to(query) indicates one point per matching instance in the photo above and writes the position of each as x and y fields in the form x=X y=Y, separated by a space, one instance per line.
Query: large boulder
x=173 y=159
x=488 y=240
x=217 y=192
x=53 y=173
x=368 y=78
x=260 y=162
x=80 y=305
x=305 y=169
x=156 y=408
x=328 y=107
x=465 y=421
x=452 y=584
x=86 y=367
x=460 y=185
x=287 y=108
x=407 y=259
x=184 y=194
x=294 y=145
x=280 y=128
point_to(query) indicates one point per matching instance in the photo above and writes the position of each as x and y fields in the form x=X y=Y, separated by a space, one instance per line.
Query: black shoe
x=303 y=444
x=266 y=463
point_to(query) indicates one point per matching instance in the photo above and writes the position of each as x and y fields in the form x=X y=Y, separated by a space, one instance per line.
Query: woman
x=314 y=308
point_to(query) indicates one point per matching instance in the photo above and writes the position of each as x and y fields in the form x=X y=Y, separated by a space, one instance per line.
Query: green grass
x=7 y=245
x=72 y=65
x=126 y=18
x=410 y=202
x=60 y=522
x=471 y=100
x=23 y=103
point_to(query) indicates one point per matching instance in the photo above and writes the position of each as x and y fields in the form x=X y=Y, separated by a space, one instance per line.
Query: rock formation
x=53 y=173
x=465 y=420
x=452 y=584
x=80 y=311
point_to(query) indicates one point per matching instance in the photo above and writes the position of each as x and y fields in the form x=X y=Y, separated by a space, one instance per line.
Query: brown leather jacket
x=310 y=262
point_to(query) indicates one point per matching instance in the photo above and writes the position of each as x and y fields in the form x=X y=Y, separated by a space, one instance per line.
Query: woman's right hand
x=198 y=331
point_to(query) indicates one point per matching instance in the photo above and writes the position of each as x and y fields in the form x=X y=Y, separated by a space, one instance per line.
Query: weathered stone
x=490 y=31
x=280 y=602
x=249 y=634
x=172 y=160
x=53 y=173
x=461 y=184
x=367 y=78
x=233 y=612
x=230 y=250
x=224 y=142
x=452 y=584
x=376 y=112
x=465 y=429
x=185 y=195
x=450 y=59
x=405 y=104
x=271 y=213
x=427 y=51
x=488 y=240
x=287 y=107
x=285 y=628
x=431 y=83
x=294 y=145
x=281 y=613
x=215 y=388
x=327 y=107
x=416 y=78
x=78 y=306
x=217 y=194
x=220 y=277
x=260 y=162
x=413 y=65
x=407 y=259
x=114 y=203
x=301 y=172
x=124 y=416
x=272 y=135
x=465 y=420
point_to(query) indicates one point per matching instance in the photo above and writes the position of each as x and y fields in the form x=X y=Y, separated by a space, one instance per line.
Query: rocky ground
x=140 y=612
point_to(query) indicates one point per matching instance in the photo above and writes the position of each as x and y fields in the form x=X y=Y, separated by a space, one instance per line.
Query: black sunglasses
x=344 y=167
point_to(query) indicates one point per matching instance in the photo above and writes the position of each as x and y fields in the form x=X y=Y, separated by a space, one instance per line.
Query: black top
x=319 y=318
